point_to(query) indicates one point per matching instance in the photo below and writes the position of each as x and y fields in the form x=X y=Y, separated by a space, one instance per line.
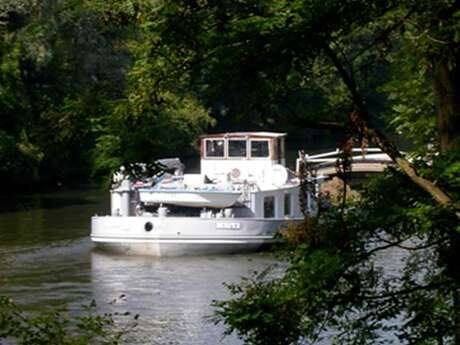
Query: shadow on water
x=20 y=203
x=41 y=219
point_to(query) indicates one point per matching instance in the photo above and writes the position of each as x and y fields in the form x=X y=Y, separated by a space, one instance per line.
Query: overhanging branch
x=360 y=119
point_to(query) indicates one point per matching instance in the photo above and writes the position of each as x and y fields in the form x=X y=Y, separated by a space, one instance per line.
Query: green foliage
x=58 y=328
x=20 y=160
x=89 y=86
x=239 y=66
x=49 y=72
x=158 y=115
x=409 y=91
x=86 y=86
x=336 y=286
x=265 y=60
x=446 y=169
x=343 y=293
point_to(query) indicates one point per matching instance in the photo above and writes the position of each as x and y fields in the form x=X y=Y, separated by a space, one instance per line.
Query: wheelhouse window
x=259 y=148
x=237 y=148
x=215 y=148
x=287 y=204
x=269 y=207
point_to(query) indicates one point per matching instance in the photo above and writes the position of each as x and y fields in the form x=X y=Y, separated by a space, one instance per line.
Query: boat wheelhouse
x=243 y=194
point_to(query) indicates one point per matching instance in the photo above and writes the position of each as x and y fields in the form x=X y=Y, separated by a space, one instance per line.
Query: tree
x=274 y=42
x=282 y=48
x=85 y=88
x=335 y=287
x=157 y=115
x=57 y=327
x=59 y=68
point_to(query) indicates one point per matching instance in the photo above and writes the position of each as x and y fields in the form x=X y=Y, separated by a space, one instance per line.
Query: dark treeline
x=61 y=68
x=86 y=86
x=79 y=96
x=75 y=97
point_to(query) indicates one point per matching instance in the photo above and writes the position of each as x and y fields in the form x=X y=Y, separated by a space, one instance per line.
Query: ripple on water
x=172 y=295
x=46 y=258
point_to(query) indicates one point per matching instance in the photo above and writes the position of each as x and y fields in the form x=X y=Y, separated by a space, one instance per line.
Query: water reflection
x=44 y=218
x=38 y=276
x=172 y=295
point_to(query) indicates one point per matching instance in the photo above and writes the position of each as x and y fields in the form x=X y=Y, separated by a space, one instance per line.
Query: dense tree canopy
x=80 y=94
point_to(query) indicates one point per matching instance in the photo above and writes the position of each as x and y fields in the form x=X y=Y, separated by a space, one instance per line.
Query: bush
x=57 y=327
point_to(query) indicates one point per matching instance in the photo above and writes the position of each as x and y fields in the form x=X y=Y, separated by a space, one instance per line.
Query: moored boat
x=242 y=196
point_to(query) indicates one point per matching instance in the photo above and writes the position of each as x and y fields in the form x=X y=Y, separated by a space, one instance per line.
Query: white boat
x=240 y=199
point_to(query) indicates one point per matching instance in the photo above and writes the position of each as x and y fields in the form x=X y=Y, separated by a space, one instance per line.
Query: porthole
x=148 y=226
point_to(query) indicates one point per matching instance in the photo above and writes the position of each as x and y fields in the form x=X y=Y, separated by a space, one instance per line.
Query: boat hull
x=179 y=236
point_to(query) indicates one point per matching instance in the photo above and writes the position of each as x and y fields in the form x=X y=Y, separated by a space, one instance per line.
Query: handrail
x=371 y=155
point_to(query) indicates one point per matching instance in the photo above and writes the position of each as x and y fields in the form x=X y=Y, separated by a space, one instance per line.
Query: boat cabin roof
x=244 y=134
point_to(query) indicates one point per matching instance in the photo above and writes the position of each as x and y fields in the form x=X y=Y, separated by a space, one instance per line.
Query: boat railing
x=363 y=160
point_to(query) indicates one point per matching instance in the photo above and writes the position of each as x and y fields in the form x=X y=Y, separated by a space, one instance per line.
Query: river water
x=47 y=259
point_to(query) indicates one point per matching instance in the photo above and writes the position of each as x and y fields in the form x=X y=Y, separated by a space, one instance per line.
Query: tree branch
x=360 y=119
x=407 y=291
x=399 y=241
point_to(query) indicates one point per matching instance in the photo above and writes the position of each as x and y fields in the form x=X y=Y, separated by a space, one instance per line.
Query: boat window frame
x=260 y=139
x=205 y=152
x=273 y=198
x=279 y=150
x=287 y=196
x=247 y=139
x=227 y=153
x=282 y=143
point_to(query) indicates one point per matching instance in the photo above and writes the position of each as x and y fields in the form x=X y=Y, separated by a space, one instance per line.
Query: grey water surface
x=47 y=259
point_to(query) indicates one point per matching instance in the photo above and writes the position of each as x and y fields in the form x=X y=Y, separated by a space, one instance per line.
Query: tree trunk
x=446 y=84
